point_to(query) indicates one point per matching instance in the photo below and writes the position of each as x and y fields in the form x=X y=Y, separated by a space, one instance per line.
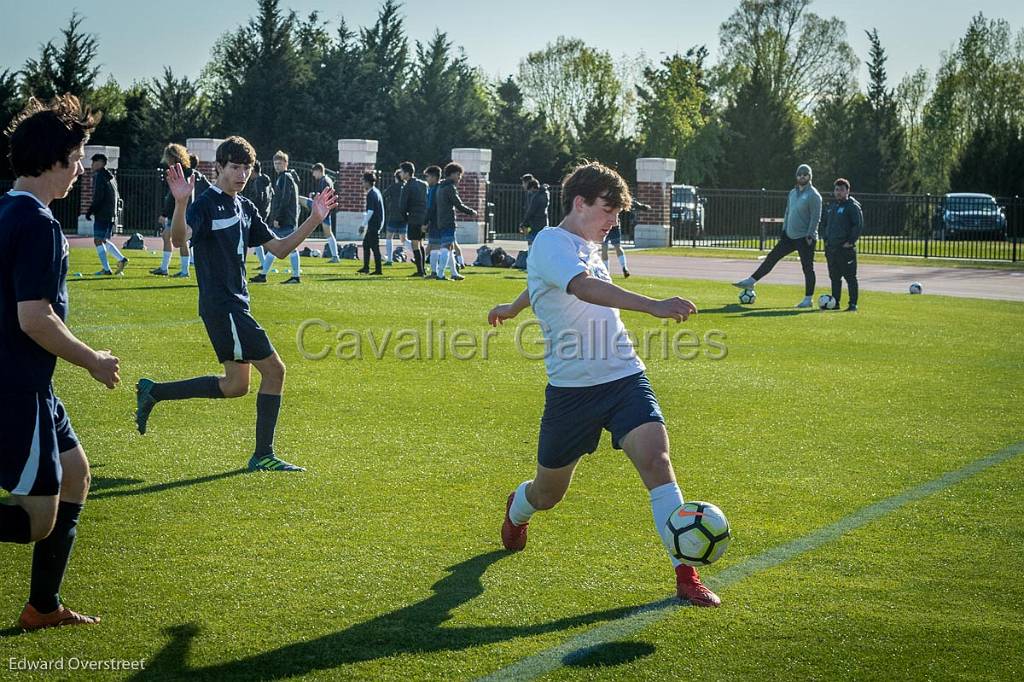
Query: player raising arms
x=590 y=390
x=42 y=464
x=222 y=224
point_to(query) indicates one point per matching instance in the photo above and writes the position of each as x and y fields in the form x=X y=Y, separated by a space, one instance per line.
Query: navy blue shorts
x=282 y=232
x=445 y=237
x=34 y=430
x=614 y=236
x=102 y=230
x=574 y=417
x=237 y=337
x=395 y=228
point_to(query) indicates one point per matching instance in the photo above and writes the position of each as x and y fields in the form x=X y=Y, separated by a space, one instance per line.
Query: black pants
x=842 y=263
x=371 y=244
x=785 y=247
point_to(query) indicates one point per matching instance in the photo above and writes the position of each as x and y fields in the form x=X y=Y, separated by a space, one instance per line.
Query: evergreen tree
x=67 y=67
x=760 y=138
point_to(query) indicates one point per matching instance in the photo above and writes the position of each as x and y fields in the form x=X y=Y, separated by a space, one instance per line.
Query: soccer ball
x=916 y=288
x=697 y=533
x=826 y=302
x=748 y=296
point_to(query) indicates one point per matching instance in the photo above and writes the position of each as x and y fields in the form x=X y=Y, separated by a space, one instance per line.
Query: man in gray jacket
x=103 y=211
x=413 y=208
x=843 y=223
x=446 y=203
x=799 y=233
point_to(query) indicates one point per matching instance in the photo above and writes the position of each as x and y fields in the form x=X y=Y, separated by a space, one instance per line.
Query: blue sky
x=137 y=38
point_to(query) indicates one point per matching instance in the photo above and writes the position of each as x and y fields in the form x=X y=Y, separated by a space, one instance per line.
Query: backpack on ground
x=520 y=261
x=398 y=255
x=483 y=256
x=498 y=258
x=134 y=242
x=349 y=252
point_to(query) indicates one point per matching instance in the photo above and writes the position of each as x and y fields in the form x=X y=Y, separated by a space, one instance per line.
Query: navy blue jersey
x=33 y=266
x=223 y=227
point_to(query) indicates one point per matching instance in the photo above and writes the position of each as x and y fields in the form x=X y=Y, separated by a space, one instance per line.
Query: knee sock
x=332 y=244
x=458 y=260
x=442 y=261
x=417 y=259
x=521 y=509
x=433 y=261
x=102 y=252
x=389 y=248
x=295 y=263
x=268 y=406
x=268 y=260
x=185 y=262
x=113 y=250
x=15 y=524
x=199 y=387
x=622 y=261
x=166 y=262
x=50 y=558
x=664 y=500
x=261 y=253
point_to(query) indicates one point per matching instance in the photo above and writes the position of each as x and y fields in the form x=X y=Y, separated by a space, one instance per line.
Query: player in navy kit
x=222 y=224
x=42 y=464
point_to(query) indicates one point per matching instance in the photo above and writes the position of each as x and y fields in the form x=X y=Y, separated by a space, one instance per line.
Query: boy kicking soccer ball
x=590 y=390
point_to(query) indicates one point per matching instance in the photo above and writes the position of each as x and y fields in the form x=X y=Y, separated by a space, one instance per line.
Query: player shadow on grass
x=105 y=483
x=738 y=310
x=152 y=288
x=414 y=629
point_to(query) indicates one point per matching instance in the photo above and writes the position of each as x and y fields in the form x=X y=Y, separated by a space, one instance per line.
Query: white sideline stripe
x=577 y=647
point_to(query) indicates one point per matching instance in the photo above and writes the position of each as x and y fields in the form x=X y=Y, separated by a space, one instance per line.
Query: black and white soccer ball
x=748 y=296
x=826 y=302
x=916 y=288
x=697 y=533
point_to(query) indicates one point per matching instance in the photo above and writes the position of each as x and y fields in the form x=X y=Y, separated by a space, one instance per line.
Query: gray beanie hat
x=804 y=168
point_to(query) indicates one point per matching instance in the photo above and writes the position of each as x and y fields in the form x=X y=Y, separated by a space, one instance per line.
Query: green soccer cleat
x=144 y=403
x=271 y=462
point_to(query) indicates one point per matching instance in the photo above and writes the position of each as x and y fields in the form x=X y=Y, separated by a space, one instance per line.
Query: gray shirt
x=803 y=213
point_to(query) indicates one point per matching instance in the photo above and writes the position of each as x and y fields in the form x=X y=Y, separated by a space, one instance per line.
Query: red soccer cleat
x=31 y=619
x=513 y=536
x=690 y=588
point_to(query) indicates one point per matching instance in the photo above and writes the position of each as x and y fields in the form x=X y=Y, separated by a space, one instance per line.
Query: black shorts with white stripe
x=34 y=430
x=237 y=337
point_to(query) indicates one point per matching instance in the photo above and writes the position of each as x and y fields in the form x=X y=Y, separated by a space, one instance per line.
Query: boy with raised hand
x=222 y=224
x=600 y=384
x=42 y=464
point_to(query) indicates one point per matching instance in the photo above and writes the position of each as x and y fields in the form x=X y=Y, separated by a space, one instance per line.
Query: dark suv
x=687 y=213
x=965 y=215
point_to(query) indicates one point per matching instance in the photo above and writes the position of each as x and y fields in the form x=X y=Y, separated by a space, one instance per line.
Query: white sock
x=333 y=244
x=622 y=261
x=521 y=509
x=458 y=260
x=103 y=257
x=389 y=244
x=442 y=261
x=261 y=253
x=166 y=262
x=433 y=261
x=295 y=263
x=665 y=499
x=606 y=265
x=454 y=262
x=185 y=262
x=268 y=260
x=114 y=250
x=408 y=246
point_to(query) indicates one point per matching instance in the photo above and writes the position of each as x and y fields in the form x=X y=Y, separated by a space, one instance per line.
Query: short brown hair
x=370 y=178
x=176 y=153
x=433 y=171
x=593 y=181
x=842 y=182
x=280 y=155
x=235 y=149
x=43 y=135
x=453 y=168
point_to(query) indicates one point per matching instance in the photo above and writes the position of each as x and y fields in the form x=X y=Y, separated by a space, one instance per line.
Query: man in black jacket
x=536 y=218
x=844 y=221
x=446 y=202
x=413 y=207
x=103 y=212
x=260 y=191
x=395 y=226
x=284 y=216
x=373 y=221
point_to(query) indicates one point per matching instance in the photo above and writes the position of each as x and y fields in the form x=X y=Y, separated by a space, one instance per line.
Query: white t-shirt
x=585 y=344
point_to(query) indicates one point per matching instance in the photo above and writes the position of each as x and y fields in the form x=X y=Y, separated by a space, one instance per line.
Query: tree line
x=784 y=91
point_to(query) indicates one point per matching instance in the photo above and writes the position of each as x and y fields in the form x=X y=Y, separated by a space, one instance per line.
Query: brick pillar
x=355 y=157
x=473 y=190
x=85 y=182
x=205 y=149
x=654 y=178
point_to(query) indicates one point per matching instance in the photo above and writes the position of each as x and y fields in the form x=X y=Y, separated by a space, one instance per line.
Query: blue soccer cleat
x=144 y=403
x=271 y=462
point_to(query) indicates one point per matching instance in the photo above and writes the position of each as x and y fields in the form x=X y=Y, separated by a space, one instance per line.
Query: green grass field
x=383 y=561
